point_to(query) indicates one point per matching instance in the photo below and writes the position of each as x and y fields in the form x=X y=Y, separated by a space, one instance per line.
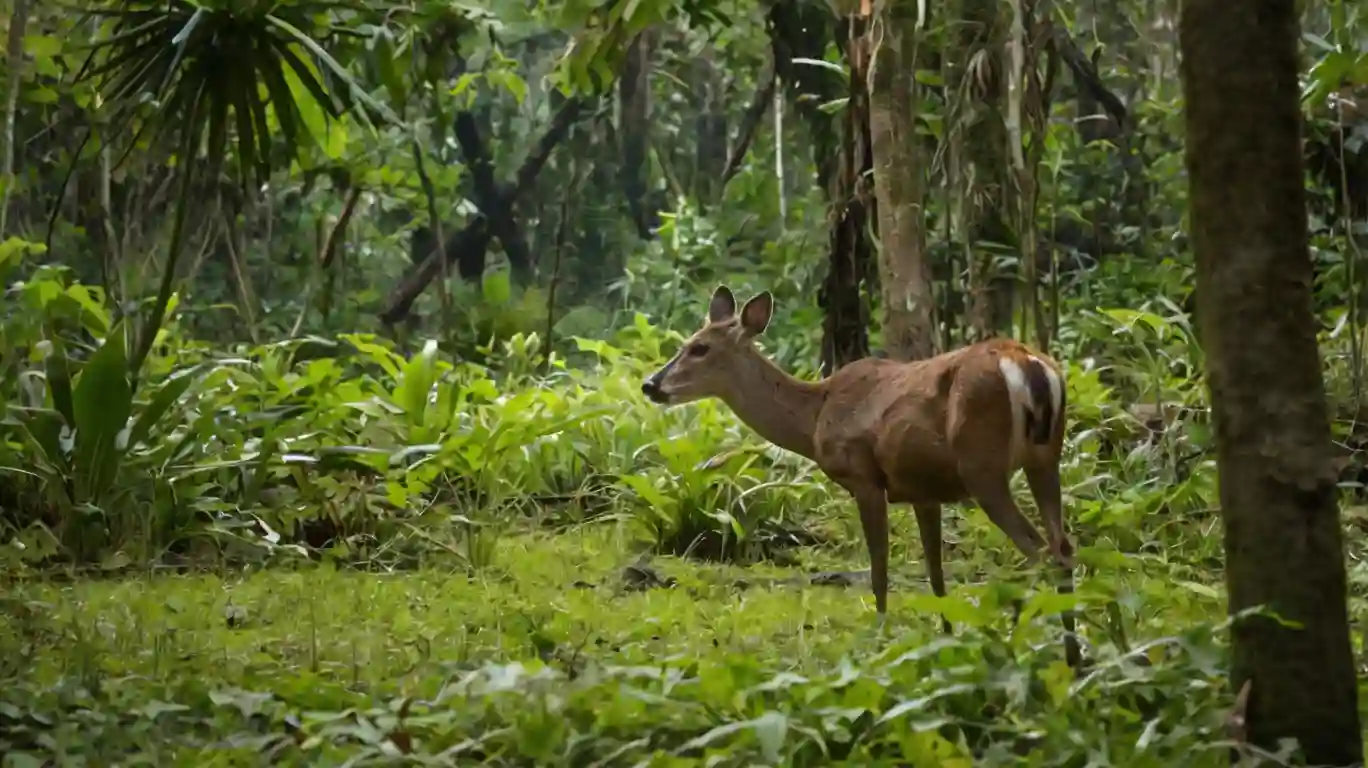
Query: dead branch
x=334 y=239
x=1085 y=74
x=750 y=122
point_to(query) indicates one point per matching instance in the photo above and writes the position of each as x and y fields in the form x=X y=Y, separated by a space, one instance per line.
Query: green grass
x=544 y=657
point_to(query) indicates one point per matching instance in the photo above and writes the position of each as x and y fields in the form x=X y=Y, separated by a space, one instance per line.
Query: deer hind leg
x=1044 y=482
x=929 y=527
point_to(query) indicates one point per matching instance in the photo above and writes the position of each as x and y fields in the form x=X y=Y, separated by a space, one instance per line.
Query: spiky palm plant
x=188 y=76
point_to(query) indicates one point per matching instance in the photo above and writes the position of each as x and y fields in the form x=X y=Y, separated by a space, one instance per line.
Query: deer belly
x=927 y=485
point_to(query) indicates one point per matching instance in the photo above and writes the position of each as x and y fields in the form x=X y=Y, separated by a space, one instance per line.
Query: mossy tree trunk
x=899 y=181
x=1283 y=541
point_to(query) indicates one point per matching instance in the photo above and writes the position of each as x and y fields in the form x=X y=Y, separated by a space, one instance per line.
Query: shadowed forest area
x=353 y=411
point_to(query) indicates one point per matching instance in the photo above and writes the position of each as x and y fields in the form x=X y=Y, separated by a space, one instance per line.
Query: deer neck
x=780 y=408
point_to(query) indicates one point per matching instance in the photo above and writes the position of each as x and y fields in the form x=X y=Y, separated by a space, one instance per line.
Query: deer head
x=710 y=362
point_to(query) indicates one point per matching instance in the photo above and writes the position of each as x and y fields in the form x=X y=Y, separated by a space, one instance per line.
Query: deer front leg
x=929 y=527
x=994 y=495
x=873 y=506
x=1043 y=480
x=1044 y=483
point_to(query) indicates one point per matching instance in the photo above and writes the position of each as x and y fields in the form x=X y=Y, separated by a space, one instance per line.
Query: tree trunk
x=710 y=125
x=800 y=29
x=899 y=182
x=985 y=229
x=1283 y=541
x=634 y=95
x=845 y=330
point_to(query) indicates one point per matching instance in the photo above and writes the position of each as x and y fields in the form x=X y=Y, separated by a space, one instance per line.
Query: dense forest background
x=325 y=323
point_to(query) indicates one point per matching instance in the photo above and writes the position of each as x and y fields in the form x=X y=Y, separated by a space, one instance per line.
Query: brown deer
x=927 y=433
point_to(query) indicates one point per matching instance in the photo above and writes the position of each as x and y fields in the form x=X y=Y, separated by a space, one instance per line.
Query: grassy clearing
x=400 y=560
x=547 y=656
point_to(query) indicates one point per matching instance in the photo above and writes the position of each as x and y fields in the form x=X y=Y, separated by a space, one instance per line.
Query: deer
x=942 y=430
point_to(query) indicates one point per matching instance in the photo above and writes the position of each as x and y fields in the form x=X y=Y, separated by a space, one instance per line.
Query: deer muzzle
x=651 y=386
x=651 y=389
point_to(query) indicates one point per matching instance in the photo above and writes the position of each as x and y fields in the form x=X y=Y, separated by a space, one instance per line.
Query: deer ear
x=755 y=316
x=723 y=305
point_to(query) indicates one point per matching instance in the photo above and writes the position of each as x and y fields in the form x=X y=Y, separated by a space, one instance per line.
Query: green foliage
x=351 y=452
x=516 y=666
x=347 y=444
x=517 y=480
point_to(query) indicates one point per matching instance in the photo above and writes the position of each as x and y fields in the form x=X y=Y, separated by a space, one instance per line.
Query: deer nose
x=651 y=389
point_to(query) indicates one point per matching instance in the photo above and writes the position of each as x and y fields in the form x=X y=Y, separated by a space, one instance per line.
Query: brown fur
x=926 y=433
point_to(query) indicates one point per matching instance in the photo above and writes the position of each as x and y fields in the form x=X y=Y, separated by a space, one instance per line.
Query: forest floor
x=558 y=653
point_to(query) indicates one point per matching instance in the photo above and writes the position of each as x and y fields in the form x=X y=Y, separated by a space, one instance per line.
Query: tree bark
x=634 y=96
x=469 y=244
x=1283 y=541
x=980 y=67
x=845 y=329
x=899 y=182
x=494 y=202
x=14 y=59
x=800 y=29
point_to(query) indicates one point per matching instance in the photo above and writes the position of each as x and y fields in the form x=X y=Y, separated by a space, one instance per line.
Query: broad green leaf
x=102 y=401
x=41 y=46
x=386 y=64
x=165 y=396
x=14 y=249
x=646 y=489
x=415 y=383
x=510 y=82
x=59 y=383
x=375 y=352
x=497 y=287
x=94 y=315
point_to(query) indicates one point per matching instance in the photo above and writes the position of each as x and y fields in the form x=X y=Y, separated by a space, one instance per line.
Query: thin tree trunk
x=899 y=182
x=634 y=94
x=14 y=59
x=1283 y=542
x=845 y=337
x=980 y=84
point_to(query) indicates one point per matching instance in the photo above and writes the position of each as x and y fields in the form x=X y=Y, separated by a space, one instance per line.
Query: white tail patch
x=1056 y=390
x=1020 y=395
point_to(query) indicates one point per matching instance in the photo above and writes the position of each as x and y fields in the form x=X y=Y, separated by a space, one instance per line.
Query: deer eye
x=698 y=350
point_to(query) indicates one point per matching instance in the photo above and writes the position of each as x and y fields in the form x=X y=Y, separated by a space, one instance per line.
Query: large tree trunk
x=1278 y=497
x=899 y=181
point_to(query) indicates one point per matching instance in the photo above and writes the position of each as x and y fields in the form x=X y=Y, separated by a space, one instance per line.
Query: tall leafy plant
x=186 y=77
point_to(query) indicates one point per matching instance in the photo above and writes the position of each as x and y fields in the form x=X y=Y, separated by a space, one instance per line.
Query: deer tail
x=1047 y=400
